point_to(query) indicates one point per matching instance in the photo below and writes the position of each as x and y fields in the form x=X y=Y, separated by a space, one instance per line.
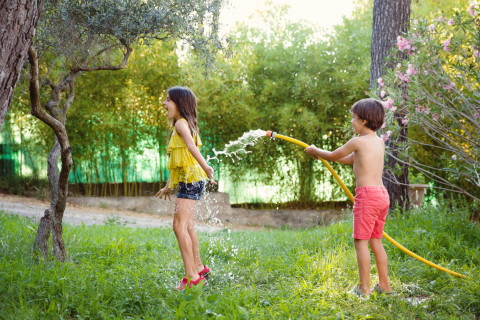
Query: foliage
x=300 y=86
x=116 y=127
x=118 y=272
x=443 y=100
x=86 y=33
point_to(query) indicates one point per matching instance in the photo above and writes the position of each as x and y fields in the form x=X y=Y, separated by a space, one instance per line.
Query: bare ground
x=212 y=215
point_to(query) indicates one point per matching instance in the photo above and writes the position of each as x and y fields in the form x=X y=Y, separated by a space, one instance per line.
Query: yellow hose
x=350 y=196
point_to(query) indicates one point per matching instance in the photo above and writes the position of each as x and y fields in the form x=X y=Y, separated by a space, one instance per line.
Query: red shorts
x=369 y=212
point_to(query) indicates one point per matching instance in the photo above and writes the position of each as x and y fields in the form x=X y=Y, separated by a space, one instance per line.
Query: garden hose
x=274 y=135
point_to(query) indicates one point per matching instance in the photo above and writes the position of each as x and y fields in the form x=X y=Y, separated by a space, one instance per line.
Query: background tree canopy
x=293 y=80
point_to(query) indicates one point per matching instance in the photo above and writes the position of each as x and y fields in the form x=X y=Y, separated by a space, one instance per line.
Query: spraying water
x=237 y=148
x=209 y=207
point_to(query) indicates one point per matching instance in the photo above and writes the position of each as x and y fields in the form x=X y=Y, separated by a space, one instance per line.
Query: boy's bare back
x=368 y=158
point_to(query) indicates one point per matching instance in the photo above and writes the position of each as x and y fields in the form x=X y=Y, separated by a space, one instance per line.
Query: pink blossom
x=366 y=92
x=404 y=121
x=403 y=77
x=382 y=93
x=380 y=82
x=454 y=157
x=450 y=22
x=422 y=109
x=384 y=137
x=435 y=116
x=431 y=28
x=411 y=70
x=383 y=125
x=389 y=133
x=446 y=43
x=440 y=19
x=425 y=72
x=387 y=104
x=449 y=86
x=393 y=108
x=415 y=21
x=471 y=11
x=403 y=44
x=399 y=65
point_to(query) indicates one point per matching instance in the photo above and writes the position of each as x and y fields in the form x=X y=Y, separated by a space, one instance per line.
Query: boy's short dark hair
x=370 y=110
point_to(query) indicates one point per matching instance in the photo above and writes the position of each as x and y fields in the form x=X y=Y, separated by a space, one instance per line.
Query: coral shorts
x=369 y=212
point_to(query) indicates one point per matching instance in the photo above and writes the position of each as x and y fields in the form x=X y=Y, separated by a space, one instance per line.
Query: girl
x=189 y=170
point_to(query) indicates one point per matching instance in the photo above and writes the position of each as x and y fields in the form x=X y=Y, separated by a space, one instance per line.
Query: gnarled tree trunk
x=53 y=215
x=391 y=19
x=18 y=19
x=45 y=227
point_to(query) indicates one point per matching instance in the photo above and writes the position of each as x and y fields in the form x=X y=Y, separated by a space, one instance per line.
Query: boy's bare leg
x=382 y=263
x=183 y=213
x=363 y=261
x=195 y=246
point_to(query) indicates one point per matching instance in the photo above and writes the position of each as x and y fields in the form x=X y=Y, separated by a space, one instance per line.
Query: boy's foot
x=205 y=272
x=379 y=290
x=184 y=283
x=358 y=293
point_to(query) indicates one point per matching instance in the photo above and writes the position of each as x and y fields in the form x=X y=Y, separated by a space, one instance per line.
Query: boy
x=366 y=152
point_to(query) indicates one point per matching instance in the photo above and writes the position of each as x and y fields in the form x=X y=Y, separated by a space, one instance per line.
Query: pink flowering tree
x=443 y=104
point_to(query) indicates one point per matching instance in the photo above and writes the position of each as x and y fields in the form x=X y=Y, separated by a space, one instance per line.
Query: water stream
x=236 y=149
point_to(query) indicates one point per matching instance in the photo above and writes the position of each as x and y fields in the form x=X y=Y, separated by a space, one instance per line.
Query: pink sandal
x=185 y=281
x=205 y=272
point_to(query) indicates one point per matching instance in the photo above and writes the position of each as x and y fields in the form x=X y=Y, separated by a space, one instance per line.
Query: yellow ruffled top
x=182 y=165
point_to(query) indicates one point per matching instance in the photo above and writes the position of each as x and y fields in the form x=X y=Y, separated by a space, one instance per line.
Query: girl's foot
x=184 y=283
x=205 y=272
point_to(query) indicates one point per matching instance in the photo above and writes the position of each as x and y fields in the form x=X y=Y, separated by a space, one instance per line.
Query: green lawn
x=114 y=272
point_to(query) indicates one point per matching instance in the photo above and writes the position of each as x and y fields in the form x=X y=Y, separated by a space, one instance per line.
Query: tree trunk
x=17 y=27
x=59 y=201
x=391 y=19
x=43 y=232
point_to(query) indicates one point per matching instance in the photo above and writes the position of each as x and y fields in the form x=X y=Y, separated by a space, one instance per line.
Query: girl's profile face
x=172 y=110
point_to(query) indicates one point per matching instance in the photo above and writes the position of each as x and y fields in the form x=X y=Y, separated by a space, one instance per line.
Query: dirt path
x=76 y=215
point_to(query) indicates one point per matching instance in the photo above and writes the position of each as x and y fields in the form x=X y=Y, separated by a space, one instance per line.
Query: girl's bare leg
x=195 y=246
x=184 y=213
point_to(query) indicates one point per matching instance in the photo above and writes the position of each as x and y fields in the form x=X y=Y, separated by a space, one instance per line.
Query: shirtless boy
x=366 y=152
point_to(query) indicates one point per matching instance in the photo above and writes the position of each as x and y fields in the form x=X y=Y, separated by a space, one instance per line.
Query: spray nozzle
x=271 y=134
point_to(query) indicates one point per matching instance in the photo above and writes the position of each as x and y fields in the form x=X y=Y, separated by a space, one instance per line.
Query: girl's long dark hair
x=186 y=103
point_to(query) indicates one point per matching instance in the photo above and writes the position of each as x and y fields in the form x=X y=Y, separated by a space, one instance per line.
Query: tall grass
x=115 y=272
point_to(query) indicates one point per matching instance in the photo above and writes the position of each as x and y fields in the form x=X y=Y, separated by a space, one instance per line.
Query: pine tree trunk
x=18 y=19
x=391 y=19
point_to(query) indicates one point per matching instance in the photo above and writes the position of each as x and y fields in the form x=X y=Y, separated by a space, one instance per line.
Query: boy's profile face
x=357 y=123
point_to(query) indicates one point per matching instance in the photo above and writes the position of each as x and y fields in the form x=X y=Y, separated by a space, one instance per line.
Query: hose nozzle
x=271 y=134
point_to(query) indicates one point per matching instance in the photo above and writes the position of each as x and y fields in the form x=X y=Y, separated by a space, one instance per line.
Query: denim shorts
x=191 y=191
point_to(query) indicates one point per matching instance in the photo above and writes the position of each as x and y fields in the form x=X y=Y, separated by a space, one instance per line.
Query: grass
x=116 y=272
